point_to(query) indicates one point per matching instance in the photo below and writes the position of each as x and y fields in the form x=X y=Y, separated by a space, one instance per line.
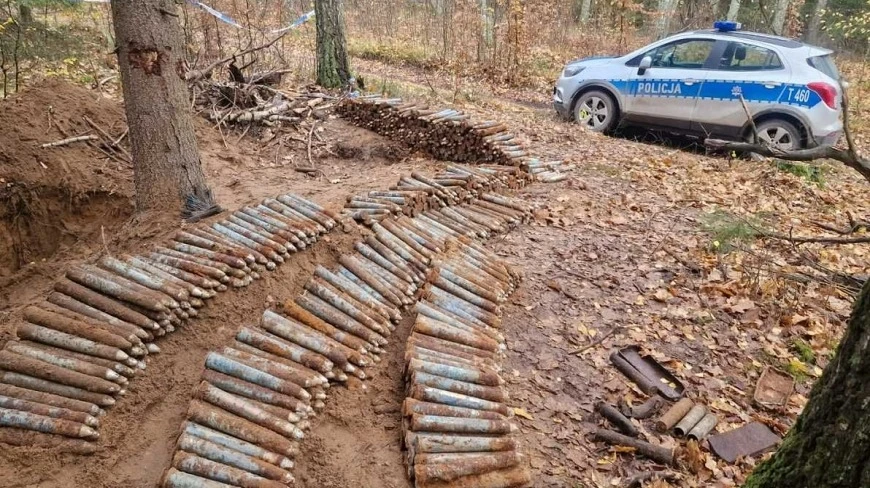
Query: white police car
x=692 y=83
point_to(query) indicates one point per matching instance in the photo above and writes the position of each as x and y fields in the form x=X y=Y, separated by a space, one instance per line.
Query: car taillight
x=825 y=90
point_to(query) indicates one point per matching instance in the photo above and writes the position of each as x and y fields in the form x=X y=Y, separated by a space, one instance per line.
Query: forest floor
x=650 y=243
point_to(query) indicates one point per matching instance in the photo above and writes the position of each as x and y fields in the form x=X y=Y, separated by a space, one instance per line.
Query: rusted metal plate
x=773 y=388
x=749 y=440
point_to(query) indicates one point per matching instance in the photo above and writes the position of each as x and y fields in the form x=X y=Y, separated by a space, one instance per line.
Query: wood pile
x=417 y=193
x=445 y=134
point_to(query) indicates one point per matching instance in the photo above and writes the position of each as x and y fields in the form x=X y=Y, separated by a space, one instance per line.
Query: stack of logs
x=79 y=348
x=417 y=194
x=457 y=423
x=445 y=134
x=257 y=394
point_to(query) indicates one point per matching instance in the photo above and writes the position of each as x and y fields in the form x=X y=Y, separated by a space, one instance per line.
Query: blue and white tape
x=301 y=20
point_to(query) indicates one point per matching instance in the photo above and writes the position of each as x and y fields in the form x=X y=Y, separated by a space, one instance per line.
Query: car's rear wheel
x=780 y=134
x=595 y=110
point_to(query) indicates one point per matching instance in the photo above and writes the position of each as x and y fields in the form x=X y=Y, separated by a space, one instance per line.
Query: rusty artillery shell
x=189 y=266
x=277 y=222
x=674 y=414
x=178 y=479
x=253 y=391
x=703 y=427
x=262 y=341
x=237 y=369
x=431 y=467
x=50 y=399
x=194 y=291
x=392 y=243
x=467 y=373
x=84 y=321
x=361 y=271
x=397 y=260
x=220 y=454
x=62 y=361
x=443 y=226
x=235 y=426
x=48 y=411
x=339 y=319
x=248 y=240
x=442 y=330
x=424 y=442
x=301 y=224
x=462 y=293
x=309 y=338
x=454 y=314
x=45 y=386
x=212 y=245
x=237 y=445
x=258 y=236
x=279 y=233
x=57 y=443
x=405 y=235
x=120 y=288
x=455 y=216
x=433 y=423
x=411 y=406
x=312 y=210
x=232 y=246
x=271 y=343
x=468 y=285
x=616 y=418
x=205 y=262
x=491 y=393
x=398 y=286
x=97 y=315
x=493 y=225
x=216 y=256
x=239 y=406
x=429 y=239
x=383 y=262
x=344 y=302
x=513 y=477
x=350 y=288
x=446 y=346
x=114 y=365
x=47 y=371
x=690 y=420
x=434 y=395
x=200 y=281
x=60 y=323
x=48 y=425
x=414 y=351
x=307 y=376
x=260 y=230
x=63 y=340
x=505 y=202
x=142 y=278
x=280 y=369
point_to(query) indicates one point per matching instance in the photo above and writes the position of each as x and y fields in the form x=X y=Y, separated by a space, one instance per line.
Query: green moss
x=728 y=230
x=803 y=350
x=809 y=172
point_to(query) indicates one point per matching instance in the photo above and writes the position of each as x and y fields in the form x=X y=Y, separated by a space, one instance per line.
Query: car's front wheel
x=780 y=134
x=595 y=110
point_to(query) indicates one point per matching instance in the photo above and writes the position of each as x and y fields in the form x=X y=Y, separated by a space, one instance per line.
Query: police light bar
x=727 y=25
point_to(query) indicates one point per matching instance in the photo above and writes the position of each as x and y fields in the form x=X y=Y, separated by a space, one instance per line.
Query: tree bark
x=666 y=11
x=816 y=21
x=333 y=66
x=166 y=164
x=733 y=10
x=779 y=15
x=585 y=11
x=829 y=446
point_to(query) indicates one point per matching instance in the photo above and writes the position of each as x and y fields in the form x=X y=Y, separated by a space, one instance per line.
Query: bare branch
x=195 y=75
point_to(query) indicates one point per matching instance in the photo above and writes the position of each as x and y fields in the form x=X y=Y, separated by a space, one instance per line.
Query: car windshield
x=825 y=64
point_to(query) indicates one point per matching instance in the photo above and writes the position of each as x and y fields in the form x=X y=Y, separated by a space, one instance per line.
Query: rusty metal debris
x=748 y=440
x=773 y=388
x=649 y=375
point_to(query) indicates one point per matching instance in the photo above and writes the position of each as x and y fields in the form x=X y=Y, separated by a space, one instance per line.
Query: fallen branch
x=820 y=240
x=597 y=341
x=195 y=75
x=70 y=140
x=658 y=454
x=638 y=480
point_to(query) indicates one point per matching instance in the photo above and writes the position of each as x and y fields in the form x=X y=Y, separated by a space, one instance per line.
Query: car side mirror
x=645 y=64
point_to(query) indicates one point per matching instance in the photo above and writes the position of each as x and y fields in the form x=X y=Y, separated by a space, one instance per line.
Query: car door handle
x=772 y=84
x=690 y=81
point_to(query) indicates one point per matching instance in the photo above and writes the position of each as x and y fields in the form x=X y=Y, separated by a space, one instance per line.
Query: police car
x=696 y=83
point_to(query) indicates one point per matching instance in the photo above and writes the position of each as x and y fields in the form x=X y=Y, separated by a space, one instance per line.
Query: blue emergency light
x=727 y=25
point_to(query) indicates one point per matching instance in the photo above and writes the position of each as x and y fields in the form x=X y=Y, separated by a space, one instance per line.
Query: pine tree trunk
x=166 y=165
x=829 y=446
x=333 y=67
x=733 y=10
x=666 y=11
x=585 y=11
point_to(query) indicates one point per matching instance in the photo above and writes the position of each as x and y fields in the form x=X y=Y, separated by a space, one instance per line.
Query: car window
x=747 y=57
x=825 y=64
x=685 y=53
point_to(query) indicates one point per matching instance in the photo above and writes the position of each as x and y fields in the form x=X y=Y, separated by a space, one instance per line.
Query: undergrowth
x=728 y=230
x=810 y=172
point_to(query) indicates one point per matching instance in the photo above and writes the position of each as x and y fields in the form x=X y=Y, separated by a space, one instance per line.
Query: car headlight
x=572 y=70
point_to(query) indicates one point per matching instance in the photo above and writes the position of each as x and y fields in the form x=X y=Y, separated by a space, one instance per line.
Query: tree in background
x=167 y=169
x=333 y=66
